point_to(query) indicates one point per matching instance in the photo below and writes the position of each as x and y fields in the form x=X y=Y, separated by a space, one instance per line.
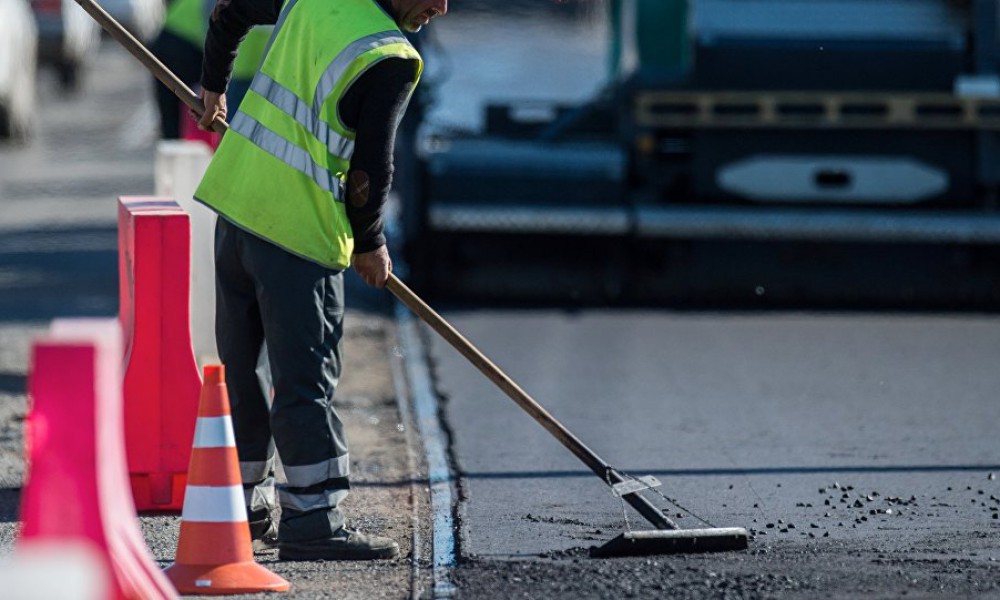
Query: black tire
x=6 y=126
x=69 y=77
x=14 y=127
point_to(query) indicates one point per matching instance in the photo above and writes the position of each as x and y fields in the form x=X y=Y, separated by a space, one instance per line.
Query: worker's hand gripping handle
x=135 y=47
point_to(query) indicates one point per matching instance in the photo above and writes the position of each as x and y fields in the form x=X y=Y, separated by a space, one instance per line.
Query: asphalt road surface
x=861 y=450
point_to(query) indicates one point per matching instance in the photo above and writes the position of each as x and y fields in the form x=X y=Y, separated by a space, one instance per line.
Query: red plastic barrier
x=161 y=377
x=76 y=495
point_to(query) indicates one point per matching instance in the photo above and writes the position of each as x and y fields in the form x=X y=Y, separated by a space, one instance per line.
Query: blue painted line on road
x=406 y=417
x=425 y=410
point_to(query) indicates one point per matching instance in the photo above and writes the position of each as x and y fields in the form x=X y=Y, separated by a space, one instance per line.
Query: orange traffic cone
x=214 y=553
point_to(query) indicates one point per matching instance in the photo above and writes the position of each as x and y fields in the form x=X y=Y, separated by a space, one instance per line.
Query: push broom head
x=674 y=541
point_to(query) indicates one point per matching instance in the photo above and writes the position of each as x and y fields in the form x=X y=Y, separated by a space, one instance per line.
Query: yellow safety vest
x=188 y=19
x=280 y=172
x=251 y=52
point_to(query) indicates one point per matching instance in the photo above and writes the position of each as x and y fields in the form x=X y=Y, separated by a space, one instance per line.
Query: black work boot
x=344 y=544
x=264 y=534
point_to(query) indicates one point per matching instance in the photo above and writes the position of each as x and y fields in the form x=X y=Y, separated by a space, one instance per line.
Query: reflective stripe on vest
x=281 y=171
x=308 y=117
x=338 y=67
x=287 y=152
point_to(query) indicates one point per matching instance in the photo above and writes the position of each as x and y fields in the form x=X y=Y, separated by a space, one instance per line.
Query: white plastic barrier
x=69 y=570
x=180 y=165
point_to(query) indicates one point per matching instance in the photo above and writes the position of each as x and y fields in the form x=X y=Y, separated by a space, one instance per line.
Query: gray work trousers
x=266 y=293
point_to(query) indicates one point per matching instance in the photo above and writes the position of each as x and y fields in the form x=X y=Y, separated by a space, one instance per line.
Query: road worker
x=300 y=182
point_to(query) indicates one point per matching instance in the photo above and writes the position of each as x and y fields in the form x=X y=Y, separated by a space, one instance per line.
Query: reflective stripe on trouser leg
x=254 y=471
x=312 y=487
x=260 y=499
x=310 y=498
x=301 y=308
x=309 y=513
x=258 y=488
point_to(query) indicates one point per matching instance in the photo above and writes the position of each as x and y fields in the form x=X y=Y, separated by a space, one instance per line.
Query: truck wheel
x=6 y=125
x=69 y=77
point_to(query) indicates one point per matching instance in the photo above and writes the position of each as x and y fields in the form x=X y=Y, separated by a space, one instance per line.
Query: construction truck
x=726 y=125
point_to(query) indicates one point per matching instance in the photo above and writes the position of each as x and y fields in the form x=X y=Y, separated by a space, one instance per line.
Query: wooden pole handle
x=492 y=372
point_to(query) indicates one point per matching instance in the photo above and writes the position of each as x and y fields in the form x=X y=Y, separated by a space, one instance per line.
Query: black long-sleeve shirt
x=372 y=107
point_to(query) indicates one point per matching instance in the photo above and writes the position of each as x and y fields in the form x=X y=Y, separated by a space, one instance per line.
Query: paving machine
x=728 y=125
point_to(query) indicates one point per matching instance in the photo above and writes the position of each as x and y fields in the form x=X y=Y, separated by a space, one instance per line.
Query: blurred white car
x=67 y=38
x=141 y=17
x=18 y=52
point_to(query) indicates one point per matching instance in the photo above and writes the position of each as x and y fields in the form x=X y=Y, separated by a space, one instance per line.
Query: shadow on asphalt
x=53 y=273
x=11 y=383
x=750 y=471
x=10 y=505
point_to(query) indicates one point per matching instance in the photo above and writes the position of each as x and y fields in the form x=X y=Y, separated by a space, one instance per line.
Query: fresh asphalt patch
x=859 y=451
x=793 y=569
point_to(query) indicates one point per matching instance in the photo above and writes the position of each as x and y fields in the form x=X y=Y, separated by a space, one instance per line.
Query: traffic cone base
x=233 y=578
